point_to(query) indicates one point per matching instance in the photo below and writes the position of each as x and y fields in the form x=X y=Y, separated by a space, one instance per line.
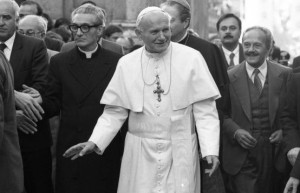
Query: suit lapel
x=240 y=86
x=275 y=84
x=241 y=53
x=16 y=54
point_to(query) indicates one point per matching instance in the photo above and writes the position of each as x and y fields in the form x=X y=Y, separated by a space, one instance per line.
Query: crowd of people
x=87 y=107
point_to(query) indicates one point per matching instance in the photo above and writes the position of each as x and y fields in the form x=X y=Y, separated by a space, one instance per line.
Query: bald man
x=166 y=96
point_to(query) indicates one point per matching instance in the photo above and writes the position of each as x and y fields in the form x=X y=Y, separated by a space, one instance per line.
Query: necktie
x=2 y=47
x=231 y=62
x=257 y=82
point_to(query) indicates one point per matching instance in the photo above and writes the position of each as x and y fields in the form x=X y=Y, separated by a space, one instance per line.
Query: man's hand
x=80 y=149
x=291 y=185
x=245 y=139
x=214 y=161
x=33 y=93
x=29 y=106
x=25 y=124
x=276 y=137
x=292 y=155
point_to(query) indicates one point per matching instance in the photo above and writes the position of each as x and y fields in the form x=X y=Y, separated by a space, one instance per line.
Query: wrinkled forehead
x=84 y=18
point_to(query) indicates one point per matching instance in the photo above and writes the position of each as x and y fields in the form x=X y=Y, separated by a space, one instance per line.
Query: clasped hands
x=247 y=141
x=28 y=101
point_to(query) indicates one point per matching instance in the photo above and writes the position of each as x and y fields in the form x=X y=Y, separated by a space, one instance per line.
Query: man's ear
x=187 y=23
x=138 y=33
x=100 y=31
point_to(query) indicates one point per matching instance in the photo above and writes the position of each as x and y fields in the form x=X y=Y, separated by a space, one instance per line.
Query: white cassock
x=161 y=147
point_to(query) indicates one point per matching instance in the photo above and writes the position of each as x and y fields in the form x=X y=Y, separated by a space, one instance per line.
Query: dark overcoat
x=75 y=87
x=11 y=169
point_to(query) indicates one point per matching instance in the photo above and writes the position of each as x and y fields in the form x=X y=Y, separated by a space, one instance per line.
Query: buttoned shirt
x=9 y=45
x=262 y=74
x=236 y=52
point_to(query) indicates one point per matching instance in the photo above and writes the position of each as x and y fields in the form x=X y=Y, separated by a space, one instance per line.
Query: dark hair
x=61 y=21
x=38 y=7
x=183 y=11
x=89 y=2
x=111 y=29
x=49 y=20
x=229 y=15
x=63 y=32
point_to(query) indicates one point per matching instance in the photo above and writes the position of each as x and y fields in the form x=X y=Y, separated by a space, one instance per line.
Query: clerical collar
x=88 y=54
x=157 y=55
x=185 y=35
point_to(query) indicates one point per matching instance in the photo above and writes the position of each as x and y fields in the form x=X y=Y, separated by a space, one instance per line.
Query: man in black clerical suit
x=76 y=81
x=180 y=13
x=229 y=28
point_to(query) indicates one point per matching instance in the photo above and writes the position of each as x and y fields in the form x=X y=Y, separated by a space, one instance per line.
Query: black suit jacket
x=217 y=68
x=296 y=62
x=241 y=55
x=291 y=120
x=233 y=154
x=77 y=98
x=29 y=61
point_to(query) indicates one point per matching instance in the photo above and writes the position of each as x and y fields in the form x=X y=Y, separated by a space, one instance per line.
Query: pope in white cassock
x=166 y=90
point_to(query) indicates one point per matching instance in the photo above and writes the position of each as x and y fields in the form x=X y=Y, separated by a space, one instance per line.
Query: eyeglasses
x=84 y=28
x=30 y=32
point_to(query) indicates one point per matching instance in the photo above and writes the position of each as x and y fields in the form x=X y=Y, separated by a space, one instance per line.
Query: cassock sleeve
x=108 y=125
x=208 y=126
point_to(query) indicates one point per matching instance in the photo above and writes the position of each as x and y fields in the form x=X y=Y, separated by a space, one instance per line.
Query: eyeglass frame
x=30 y=34
x=80 y=27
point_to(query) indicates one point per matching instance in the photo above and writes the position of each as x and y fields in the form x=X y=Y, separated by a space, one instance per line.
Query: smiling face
x=86 y=41
x=8 y=20
x=154 y=31
x=255 y=48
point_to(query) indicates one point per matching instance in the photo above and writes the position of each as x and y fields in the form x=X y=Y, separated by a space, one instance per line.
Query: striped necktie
x=231 y=62
x=257 y=82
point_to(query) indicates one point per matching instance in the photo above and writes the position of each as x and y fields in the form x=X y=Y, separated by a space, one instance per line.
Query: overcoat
x=75 y=87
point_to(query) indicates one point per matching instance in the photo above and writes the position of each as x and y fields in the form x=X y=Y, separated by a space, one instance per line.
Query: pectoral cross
x=158 y=90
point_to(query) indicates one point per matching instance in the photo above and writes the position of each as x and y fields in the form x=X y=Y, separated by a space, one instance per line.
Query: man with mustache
x=229 y=28
x=252 y=156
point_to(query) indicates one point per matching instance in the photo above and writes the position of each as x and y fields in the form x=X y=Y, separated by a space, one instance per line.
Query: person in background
x=229 y=27
x=35 y=26
x=112 y=33
x=126 y=43
x=33 y=8
x=180 y=12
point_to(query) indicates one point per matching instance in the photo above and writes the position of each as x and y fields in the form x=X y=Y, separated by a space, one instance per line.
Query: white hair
x=41 y=21
x=147 y=11
x=15 y=7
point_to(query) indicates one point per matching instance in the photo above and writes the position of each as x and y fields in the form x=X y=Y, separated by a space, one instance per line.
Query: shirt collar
x=235 y=51
x=88 y=54
x=263 y=69
x=10 y=42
